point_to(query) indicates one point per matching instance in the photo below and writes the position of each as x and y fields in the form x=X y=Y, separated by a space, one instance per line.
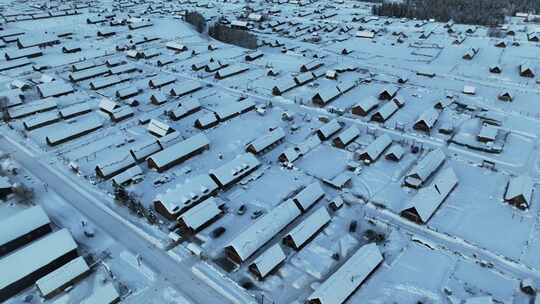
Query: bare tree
x=3 y=108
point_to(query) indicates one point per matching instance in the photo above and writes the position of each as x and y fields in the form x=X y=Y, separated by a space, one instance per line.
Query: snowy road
x=181 y=276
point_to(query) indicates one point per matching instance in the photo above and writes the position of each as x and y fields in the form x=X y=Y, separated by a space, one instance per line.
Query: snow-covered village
x=267 y=152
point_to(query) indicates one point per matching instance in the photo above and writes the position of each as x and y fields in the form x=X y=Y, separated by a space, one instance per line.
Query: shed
x=344 y=281
x=519 y=191
x=526 y=70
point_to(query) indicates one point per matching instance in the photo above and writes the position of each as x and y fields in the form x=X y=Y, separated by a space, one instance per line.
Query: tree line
x=481 y=12
x=221 y=32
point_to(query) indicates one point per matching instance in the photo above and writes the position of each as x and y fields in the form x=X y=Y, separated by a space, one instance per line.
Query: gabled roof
x=267 y=261
x=427 y=200
x=265 y=141
x=235 y=169
x=179 y=152
x=395 y=152
x=342 y=283
x=520 y=186
x=199 y=215
x=425 y=168
x=346 y=137
x=329 y=129
x=427 y=119
x=184 y=195
x=309 y=196
x=305 y=230
x=385 y=112
x=376 y=148
x=365 y=106
x=247 y=242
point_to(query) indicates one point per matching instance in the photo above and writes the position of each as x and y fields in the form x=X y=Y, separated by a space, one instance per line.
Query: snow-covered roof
x=427 y=119
x=231 y=110
x=342 y=283
x=161 y=80
x=199 y=215
x=159 y=128
x=520 y=186
x=185 y=195
x=186 y=87
x=426 y=201
x=425 y=168
x=384 y=112
x=268 y=261
x=114 y=166
x=127 y=175
x=22 y=224
x=62 y=276
x=185 y=108
x=266 y=140
x=76 y=129
x=305 y=230
x=395 y=152
x=309 y=195
x=293 y=153
x=259 y=233
x=179 y=152
x=31 y=108
x=36 y=255
x=329 y=129
x=54 y=89
x=235 y=169
x=346 y=137
x=74 y=110
x=365 y=105
x=376 y=148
